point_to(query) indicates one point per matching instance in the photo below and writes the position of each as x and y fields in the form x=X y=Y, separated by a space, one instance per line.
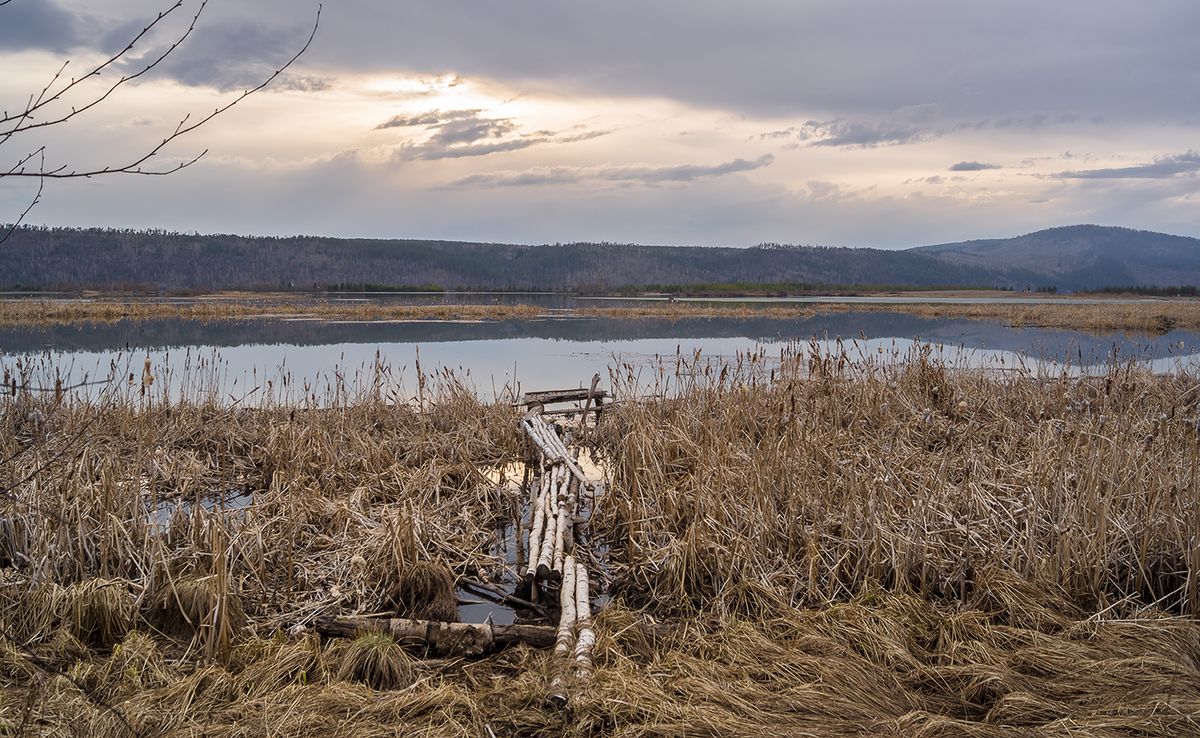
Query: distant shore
x=1151 y=316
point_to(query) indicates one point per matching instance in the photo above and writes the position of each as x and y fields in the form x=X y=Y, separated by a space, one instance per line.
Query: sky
x=847 y=123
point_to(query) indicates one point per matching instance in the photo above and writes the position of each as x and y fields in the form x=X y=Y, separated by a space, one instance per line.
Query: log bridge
x=554 y=572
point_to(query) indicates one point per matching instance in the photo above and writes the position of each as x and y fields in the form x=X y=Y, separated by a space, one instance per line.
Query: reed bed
x=34 y=312
x=812 y=544
x=1153 y=317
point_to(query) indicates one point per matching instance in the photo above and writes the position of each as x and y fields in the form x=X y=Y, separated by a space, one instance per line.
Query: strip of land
x=1153 y=317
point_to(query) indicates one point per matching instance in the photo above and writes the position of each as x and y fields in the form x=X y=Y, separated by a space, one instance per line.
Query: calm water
x=234 y=358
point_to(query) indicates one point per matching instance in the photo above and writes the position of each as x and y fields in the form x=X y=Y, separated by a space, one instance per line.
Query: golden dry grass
x=815 y=547
x=1152 y=317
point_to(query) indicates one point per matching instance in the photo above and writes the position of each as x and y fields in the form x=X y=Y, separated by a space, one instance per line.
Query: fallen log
x=438 y=638
x=585 y=640
x=545 y=487
x=564 y=643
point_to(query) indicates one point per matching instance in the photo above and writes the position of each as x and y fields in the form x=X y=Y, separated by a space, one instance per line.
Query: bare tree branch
x=37 y=105
x=37 y=196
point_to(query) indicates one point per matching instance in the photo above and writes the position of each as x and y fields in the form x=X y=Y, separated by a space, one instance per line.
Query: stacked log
x=552 y=556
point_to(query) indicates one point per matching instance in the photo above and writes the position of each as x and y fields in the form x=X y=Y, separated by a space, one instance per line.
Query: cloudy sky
x=847 y=122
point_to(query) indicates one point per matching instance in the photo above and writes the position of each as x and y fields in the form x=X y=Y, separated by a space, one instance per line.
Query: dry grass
x=376 y=660
x=1151 y=317
x=104 y=310
x=817 y=546
x=423 y=590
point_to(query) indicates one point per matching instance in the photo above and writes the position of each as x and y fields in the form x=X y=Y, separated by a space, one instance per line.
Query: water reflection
x=522 y=354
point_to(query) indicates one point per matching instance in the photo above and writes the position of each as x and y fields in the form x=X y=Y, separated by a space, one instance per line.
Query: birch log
x=550 y=444
x=565 y=639
x=585 y=640
x=545 y=560
x=560 y=526
x=539 y=523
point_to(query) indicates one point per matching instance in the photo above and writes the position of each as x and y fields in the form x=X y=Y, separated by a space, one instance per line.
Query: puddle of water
x=479 y=610
x=233 y=502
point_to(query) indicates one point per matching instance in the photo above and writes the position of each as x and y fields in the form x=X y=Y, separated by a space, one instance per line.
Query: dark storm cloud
x=1163 y=167
x=37 y=24
x=632 y=174
x=972 y=166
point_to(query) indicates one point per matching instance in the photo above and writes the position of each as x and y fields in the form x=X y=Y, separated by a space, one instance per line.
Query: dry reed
x=814 y=545
x=1142 y=316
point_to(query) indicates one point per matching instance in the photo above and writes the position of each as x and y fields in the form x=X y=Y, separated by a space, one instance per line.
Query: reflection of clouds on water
x=254 y=361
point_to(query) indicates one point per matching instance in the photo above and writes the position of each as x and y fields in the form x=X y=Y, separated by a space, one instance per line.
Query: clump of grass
x=375 y=659
x=266 y=666
x=423 y=590
x=199 y=607
x=99 y=612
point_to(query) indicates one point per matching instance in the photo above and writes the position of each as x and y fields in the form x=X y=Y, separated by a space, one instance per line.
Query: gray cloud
x=972 y=166
x=907 y=125
x=225 y=53
x=873 y=56
x=1162 y=167
x=470 y=130
x=633 y=174
x=977 y=61
x=428 y=118
x=456 y=134
x=860 y=134
x=429 y=152
x=37 y=24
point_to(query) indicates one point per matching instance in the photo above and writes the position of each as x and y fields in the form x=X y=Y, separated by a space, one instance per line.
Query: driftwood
x=549 y=397
x=441 y=639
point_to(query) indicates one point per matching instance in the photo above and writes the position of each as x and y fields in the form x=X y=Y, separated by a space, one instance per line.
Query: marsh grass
x=809 y=544
x=422 y=590
x=1150 y=317
x=375 y=659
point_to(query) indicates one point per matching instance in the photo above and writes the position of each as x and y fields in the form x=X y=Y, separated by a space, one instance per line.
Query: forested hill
x=1083 y=257
x=1076 y=257
x=55 y=257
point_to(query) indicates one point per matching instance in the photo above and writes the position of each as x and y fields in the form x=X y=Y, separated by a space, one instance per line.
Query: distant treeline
x=1067 y=259
x=774 y=289
x=1186 y=290
x=66 y=258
